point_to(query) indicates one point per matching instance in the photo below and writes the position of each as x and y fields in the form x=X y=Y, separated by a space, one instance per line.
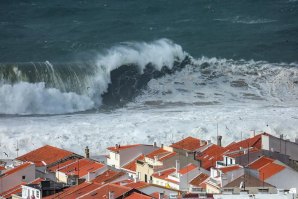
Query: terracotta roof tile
x=161 y=154
x=138 y=196
x=47 y=154
x=189 y=144
x=137 y=185
x=230 y=168
x=197 y=181
x=80 y=167
x=131 y=166
x=103 y=191
x=270 y=170
x=120 y=148
x=164 y=174
x=62 y=165
x=108 y=176
x=2 y=168
x=210 y=155
x=16 y=169
x=261 y=162
x=187 y=169
x=18 y=189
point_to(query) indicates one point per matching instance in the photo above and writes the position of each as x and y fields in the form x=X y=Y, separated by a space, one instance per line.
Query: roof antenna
x=17 y=149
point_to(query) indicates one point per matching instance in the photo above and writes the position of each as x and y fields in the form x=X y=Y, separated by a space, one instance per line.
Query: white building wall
x=186 y=178
x=282 y=146
x=7 y=182
x=127 y=155
x=152 y=189
x=285 y=179
x=230 y=176
x=29 y=192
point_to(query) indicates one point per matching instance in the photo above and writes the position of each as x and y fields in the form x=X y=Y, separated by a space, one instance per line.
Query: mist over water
x=136 y=72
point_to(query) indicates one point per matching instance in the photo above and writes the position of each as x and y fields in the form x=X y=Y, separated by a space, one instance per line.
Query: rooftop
x=138 y=196
x=230 y=168
x=81 y=167
x=161 y=154
x=270 y=170
x=45 y=155
x=16 y=169
x=250 y=181
x=131 y=166
x=188 y=144
x=108 y=176
x=118 y=148
x=199 y=179
x=187 y=169
x=259 y=163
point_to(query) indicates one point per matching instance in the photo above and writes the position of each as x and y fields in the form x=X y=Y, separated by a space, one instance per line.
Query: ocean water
x=98 y=73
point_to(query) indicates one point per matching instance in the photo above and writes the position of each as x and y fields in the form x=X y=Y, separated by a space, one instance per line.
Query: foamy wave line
x=26 y=98
x=245 y=20
x=36 y=98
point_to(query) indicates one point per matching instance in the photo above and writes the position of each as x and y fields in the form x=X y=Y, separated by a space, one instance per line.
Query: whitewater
x=142 y=92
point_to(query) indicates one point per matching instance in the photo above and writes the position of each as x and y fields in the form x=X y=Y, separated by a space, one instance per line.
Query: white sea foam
x=245 y=20
x=159 y=53
x=133 y=125
x=221 y=81
x=26 y=98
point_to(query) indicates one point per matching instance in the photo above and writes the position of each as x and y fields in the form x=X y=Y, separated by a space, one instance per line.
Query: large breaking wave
x=162 y=68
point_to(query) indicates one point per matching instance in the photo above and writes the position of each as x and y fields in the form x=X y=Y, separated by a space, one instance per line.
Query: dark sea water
x=96 y=73
x=68 y=30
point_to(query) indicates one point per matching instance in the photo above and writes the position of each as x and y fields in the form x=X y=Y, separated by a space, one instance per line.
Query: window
x=231 y=161
x=263 y=190
x=23 y=177
x=37 y=194
x=145 y=177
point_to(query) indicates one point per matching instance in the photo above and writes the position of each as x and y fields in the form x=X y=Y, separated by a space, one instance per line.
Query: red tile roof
x=161 y=154
x=2 y=168
x=164 y=174
x=137 y=185
x=120 y=148
x=240 y=153
x=18 y=189
x=255 y=141
x=270 y=170
x=131 y=166
x=210 y=155
x=103 y=191
x=16 y=169
x=138 y=196
x=230 y=168
x=266 y=167
x=75 y=191
x=80 y=167
x=47 y=154
x=187 y=169
x=108 y=176
x=261 y=162
x=197 y=181
x=189 y=144
x=62 y=165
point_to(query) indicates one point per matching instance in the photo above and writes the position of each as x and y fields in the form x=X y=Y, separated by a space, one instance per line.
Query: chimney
x=202 y=142
x=111 y=195
x=116 y=146
x=281 y=136
x=86 y=152
x=219 y=137
x=177 y=167
x=161 y=146
x=155 y=158
x=161 y=196
x=154 y=145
